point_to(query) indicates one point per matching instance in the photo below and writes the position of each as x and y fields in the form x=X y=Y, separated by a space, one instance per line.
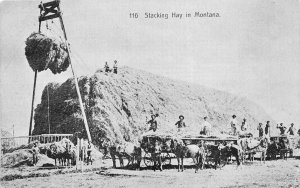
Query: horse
x=261 y=146
x=128 y=150
x=219 y=153
x=192 y=151
x=234 y=150
x=70 y=155
x=56 y=152
x=272 y=150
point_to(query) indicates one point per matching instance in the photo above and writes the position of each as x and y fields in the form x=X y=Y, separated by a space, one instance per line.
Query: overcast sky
x=252 y=50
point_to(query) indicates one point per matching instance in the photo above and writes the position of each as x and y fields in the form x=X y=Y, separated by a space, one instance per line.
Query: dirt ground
x=280 y=173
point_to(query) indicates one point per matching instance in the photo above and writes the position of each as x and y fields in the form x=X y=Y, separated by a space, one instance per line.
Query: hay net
x=43 y=52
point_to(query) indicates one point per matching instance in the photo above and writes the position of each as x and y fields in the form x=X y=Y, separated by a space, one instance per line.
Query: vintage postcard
x=128 y=93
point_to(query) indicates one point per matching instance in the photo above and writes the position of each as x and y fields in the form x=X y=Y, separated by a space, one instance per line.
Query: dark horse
x=220 y=153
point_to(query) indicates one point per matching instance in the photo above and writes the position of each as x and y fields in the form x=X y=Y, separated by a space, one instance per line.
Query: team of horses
x=64 y=152
x=200 y=153
x=245 y=148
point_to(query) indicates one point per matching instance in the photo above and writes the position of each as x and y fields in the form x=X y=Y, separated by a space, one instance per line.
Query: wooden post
x=81 y=164
x=0 y=143
x=77 y=153
x=48 y=115
x=75 y=78
x=49 y=8
x=32 y=103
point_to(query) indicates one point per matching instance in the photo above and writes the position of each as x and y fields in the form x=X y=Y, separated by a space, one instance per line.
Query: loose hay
x=17 y=158
x=43 y=52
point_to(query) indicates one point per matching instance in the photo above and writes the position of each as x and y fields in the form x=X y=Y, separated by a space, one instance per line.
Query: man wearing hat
x=180 y=124
x=291 y=130
x=115 y=67
x=205 y=127
x=244 y=125
x=267 y=129
x=260 y=130
x=153 y=123
x=233 y=124
x=106 y=67
x=35 y=153
x=282 y=128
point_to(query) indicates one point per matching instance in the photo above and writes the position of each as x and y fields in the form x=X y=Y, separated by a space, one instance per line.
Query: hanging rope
x=48 y=108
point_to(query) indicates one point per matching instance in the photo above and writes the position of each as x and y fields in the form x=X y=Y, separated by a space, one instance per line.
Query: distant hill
x=118 y=105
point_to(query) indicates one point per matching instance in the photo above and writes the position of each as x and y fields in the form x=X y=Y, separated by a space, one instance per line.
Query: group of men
x=115 y=67
x=291 y=130
x=180 y=125
x=205 y=128
x=234 y=126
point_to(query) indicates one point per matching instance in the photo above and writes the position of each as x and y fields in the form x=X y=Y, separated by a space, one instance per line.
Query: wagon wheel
x=148 y=159
x=166 y=160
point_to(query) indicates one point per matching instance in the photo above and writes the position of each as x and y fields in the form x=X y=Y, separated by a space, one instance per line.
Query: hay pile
x=43 y=52
x=17 y=158
x=24 y=157
x=119 y=105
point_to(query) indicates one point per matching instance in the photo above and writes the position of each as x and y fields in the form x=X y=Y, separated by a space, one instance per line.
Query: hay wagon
x=210 y=144
x=284 y=145
x=147 y=145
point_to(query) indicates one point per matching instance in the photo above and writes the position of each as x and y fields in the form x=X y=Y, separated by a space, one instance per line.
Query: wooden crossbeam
x=50 y=3
x=51 y=8
x=52 y=16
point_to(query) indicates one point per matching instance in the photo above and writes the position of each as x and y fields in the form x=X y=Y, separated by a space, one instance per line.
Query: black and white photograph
x=150 y=93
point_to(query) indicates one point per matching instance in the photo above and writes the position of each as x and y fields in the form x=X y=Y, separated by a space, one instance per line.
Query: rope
x=48 y=107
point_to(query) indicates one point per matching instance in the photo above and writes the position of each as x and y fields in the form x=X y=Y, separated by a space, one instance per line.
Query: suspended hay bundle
x=43 y=52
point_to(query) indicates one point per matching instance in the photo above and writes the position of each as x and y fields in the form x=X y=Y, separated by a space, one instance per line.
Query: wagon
x=147 y=145
x=212 y=152
x=281 y=145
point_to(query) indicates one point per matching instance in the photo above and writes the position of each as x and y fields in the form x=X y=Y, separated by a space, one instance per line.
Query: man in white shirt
x=233 y=125
x=205 y=127
x=244 y=126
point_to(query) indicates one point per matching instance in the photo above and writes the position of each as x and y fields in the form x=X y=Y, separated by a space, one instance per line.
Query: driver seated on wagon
x=153 y=123
x=205 y=127
x=180 y=124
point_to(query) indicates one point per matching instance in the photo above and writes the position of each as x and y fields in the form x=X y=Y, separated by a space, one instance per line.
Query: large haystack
x=118 y=105
x=43 y=52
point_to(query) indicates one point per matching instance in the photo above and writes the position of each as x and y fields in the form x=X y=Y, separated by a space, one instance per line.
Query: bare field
x=280 y=173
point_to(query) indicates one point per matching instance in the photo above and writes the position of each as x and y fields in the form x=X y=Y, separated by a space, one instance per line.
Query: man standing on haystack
x=233 y=125
x=115 y=68
x=244 y=125
x=260 y=130
x=106 y=67
x=267 y=129
x=153 y=123
x=180 y=124
x=282 y=128
x=291 y=130
x=205 y=127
